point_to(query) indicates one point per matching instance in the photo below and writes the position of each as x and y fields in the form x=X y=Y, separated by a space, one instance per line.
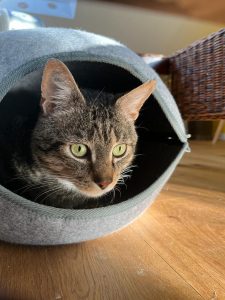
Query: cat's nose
x=103 y=184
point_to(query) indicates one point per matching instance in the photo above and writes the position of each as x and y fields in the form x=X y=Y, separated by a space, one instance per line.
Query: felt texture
x=24 y=51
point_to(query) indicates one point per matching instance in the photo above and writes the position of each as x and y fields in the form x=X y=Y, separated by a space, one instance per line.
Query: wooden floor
x=176 y=250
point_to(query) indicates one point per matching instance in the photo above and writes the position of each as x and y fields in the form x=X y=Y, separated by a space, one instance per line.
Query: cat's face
x=86 y=147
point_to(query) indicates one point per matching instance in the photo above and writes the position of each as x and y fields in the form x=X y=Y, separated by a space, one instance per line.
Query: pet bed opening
x=158 y=144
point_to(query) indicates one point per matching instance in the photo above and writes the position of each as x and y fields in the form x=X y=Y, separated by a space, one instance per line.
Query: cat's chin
x=94 y=192
x=67 y=185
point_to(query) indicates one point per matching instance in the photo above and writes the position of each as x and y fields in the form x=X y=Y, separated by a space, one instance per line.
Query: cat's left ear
x=132 y=102
x=58 y=87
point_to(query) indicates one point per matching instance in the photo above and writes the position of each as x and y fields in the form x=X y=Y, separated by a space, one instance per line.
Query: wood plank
x=121 y=266
x=189 y=235
x=176 y=250
x=204 y=167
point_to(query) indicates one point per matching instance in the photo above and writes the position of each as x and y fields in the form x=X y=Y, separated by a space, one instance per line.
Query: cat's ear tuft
x=58 y=86
x=131 y=103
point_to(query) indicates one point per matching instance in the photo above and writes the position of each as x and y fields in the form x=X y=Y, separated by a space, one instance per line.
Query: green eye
x=78 y=150
x=119 y=150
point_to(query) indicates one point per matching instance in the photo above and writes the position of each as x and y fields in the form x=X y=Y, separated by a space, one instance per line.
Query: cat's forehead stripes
x=99 y=124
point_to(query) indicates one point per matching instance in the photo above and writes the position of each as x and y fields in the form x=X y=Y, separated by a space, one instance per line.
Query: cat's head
x=85 y=146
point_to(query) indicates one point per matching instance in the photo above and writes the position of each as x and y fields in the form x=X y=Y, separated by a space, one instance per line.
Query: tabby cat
x=82 y=143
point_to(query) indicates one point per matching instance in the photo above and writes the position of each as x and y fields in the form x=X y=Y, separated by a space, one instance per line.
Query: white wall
x=141 y=29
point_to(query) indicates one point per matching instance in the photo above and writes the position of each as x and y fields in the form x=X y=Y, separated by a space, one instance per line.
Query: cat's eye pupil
x=78 y=150
x=119 y=150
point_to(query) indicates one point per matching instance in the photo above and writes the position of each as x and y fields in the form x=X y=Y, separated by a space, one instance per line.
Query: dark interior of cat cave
x=158 y=144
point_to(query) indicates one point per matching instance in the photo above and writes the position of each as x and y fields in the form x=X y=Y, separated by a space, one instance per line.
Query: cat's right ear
x=58 y=87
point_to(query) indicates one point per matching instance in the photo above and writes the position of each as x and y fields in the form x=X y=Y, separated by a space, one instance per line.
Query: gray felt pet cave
x=96 y=61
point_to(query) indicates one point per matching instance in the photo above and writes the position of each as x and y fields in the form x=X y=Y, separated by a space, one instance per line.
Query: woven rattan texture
x=198 y=78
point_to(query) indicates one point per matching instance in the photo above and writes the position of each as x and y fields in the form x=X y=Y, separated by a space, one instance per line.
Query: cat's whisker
x=97 y=202
x=43 y=193
x=131 y=166
x=139 y=154
x=129 y=169
x=143 y=128
x=117 y=189
x=51 y=192
x=114 y=196
x=122 y=184
x=27 y=187
x=22 y=188
x=13 y=179
x=121 y=180
x=124 y=175
x=96 y=98
x=113 y=191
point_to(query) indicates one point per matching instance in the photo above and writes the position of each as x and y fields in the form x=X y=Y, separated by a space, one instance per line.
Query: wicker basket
x=197 y=76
